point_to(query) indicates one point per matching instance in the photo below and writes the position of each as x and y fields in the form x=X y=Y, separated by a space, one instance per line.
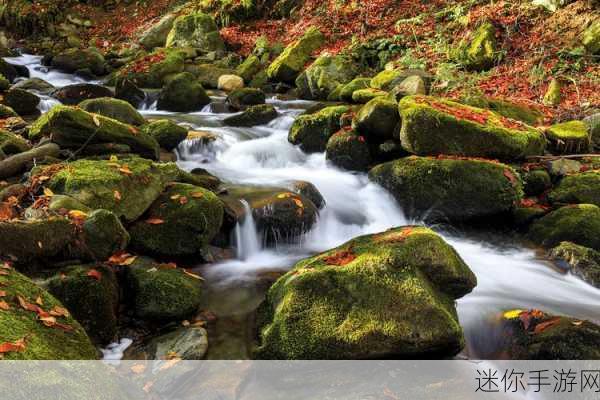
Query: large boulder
x=126 y=90
x=182 y=221
x=243 y=98
x=521 y=112
x=577 y=189
x=249 y=68
x=117 y=109
x=22 y=101
x=103 y=235
x=167 y=133
x=156 y=35
x=591 y=38
x=570 y=137
x=252 y=116
x=75 y=128
x=349 y=150
x=319 y=80
x=579 y=224
x=384 y=295
x=346 y=92
x=151 y=70
x=363 y=96
x=479 y=51
x=311 y=132
x=432 y=126
x=208 y=74
x=75 y=94
x=38 y=332
x=35 y=84
x=183 y=93
x=288 y=65
x=42 y=239
x=74 y=60
x=195 y=30
x=377 y=120
x=580 y=260
x=450 y=188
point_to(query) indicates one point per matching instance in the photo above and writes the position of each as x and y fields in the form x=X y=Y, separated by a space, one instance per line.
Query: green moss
x=478 y=52
x=524 y=216
x=356 y=84
x=7 y=112
x=41 y=342
x=389 y=294
x=93 y=302
x=104 y=235
x=167 y=133
x=119 y=110
x=363 y=96
x=290 y=63
x=348 y=150
x=432 y=126
x=579 y=224
x=239 y=99
x=569 y=137
x=191 y=217
x=249 y=68
x=260 y=80
x=311 y=132
x=377 y=119
x=553 y=96
x=577 y=189
x=38 y=239
x=327 y=73
x=536 y=181
x=150 y=71
x=208 y=74
x=591 y=38
x=387 y=79
x=252 y=116
x=182 y=93
x=11 y=143
x=73 y=60
x=196 y=30
x=4 y=83
x=520 y=112
x=453 y=189
x=580 y=260
x=21 y=101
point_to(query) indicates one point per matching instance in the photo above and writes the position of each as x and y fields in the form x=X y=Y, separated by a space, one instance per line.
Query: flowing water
x=509 y=274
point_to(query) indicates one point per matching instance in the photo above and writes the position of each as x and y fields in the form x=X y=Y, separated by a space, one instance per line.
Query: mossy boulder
x=579 y=224
x=411 y=86
x=160 y=292
x=577 y=189
x=536 y=335
x=75 y=128
x=73 y=60
x=288 y=65
x=349 y=88
x=11 y=143
x=553 y=96
x=103 y=234
x=591 y=38
x=254 y=115
x=450 y=188
x=166 y=132
x=208 y=74
x=240 y=99
x=319 y=80
x=569 y=137
x=521 y=112
x=363 y=96
x=183 y=93
x=311 y=132
x=593 y=123
x=128 y=91
x=479 y=51
x=151 y=70
x=21 y=101
x=385 y=295
x=580 y=260
x=74 y=94
x=91 y=293
x=35 y=239
x=387 y=79
x=349 y=150
x=432 y=126
x=536 y=181
x=117 y=109
x=4 y=83
x=39 y=341
x=249 y=68
x=7 y=112
x=196 y=30
x=377 y=119
x=182 y=221
x=156 y=35
x=35 y=84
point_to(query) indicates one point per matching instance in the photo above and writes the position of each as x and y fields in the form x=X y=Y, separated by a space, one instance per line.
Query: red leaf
x=17 y=346
x=93 y=273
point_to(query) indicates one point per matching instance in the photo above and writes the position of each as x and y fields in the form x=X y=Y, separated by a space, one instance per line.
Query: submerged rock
x=385 y=295
x=116 y=109
x=579 y=224
x=577 y=189
x=254 y=115
x=349 y=150
x=166 y=132
x=187 y=343
x=242 y=98
x=75 y=94
x=580 y=260
x=288 y=65
x=182 y=93
x=73 y=60
x=196 y=30
x=311 y=132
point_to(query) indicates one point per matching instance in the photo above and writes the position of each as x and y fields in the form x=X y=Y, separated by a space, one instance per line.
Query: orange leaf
x=545 y=325
x=59 y=312
x=4 y=305
x=125 y=170
x=183 y=200
x=2 y=293
x=197 y=195
x=6 y=212
x=93 y=273
x=17 y=346
x=39 y=301
x=117 y=195
x=155 y=221
x=340 y=258
x=122 y=258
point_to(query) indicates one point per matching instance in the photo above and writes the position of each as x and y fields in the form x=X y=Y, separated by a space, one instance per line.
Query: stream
x=509 y=274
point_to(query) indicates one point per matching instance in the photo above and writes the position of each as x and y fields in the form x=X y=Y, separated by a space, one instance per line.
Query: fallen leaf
x=2 y=293
x=17 y=346
x=48 y=192
x=49 y=320
x=183 y=200
x=175 y=197
x=113 y=158
x=59 y=312
x=96 y=119
x=138 y=368
x=169 y=364
x=3 y=273
x=197 y=195
x=76 y=214
x=170 y=265
x=512 y=314
x=188 y=273
x=577 y=323
x=6 y=212
x=93 y=273
x=148 y=386
x=39 y=301
x=117 y=195
x=125 y=170
x=155 y=221
x=340 y=258
x=4 y=305
x=122 y=258
x=545 y=325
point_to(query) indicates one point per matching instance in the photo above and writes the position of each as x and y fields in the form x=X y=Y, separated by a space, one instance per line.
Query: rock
x=240 y=99
x=188 y=343
x=156 y=35
x=432 y=126
x=40 y=342
x=8 y=70
x=208 y=74
x=74 y=128
x=119 y=110
x=523 y=216
x=103 y=234
x=167 y=133
x=11 y=143
x=319 y=80
x=196 y=30
x=377 y=296
x=579 y=188
x=450 y=188
x=182 y=221
x=553 y=96
x=128 y=91
x=229 y=83
x=520 y=112
x=73 y=60
x=479 y=52
x=536 y=335
x=348 y=150
x=101 y=184
x=91 y=293
x=569 y=137
x=21 y=101
x=75 y=94
x=288 y=65
x=356 y=84
x=311 y=132
x=151 y=70
x=363 y=96
x=35 y=240
x=35 y=84
x=309 y=191
x=160 y=292
x=183 y=93
x=536 y=181
x=581 y=261
x=551 y=5
x=387 y=79
x=377 y=119
x=7 y=112
x=591 y=38
x=60 y=202
x=411 y=86
x=249 y=68
x=593 y=123
x=578 y=223
x=563 y=166
x=254 y=115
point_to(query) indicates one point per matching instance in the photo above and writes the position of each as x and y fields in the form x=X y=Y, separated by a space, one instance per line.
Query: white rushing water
x=508 y=276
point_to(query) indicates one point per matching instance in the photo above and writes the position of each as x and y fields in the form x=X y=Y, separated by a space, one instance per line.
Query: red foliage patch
x=340 y=258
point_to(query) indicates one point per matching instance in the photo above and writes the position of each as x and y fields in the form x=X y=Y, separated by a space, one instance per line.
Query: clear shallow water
x=509 y=275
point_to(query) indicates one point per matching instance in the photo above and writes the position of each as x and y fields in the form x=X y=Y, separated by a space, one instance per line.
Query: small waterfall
x=247 y=238
x=46 y=103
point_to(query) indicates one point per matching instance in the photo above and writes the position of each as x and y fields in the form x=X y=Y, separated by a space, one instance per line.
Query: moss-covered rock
x=151 y=70
x=103 y=234
x=160 y=292
x=349 y=150
x=128 y=91
x=21 y=101
x=254 y=115
x=74 y=128
x=536 y=181
x=91 y=293
x=521 y=112
x=74 y=94
x=579 y=224
x=288 y=65
x=117 y=109
x=348 y=89
x=249 y=68
x=183 y=93
x=319 y=80
x=377 y=119
x=376 y=296
x=479 y=51
x=593 y=123
x=411 y=86
x=580 y=260
x=37 y=239
x=432 y=126
x=311 y=132
x=240 y=99
x=536 y=335
x=7 y=112
x=73 y=60
x=387 y=79
x=208 y=74
x=196 y=30
x=35 y=84
x=553 y=96
x=591 y=38
x=11 y=143
x=4 y=83
x=39 y=340
x=363 y=96
x=569 y=137
x=577 y=189
x=450 y=188
x=188 y=343
x=166 y=132
x=309 y=191
x=156 y=35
